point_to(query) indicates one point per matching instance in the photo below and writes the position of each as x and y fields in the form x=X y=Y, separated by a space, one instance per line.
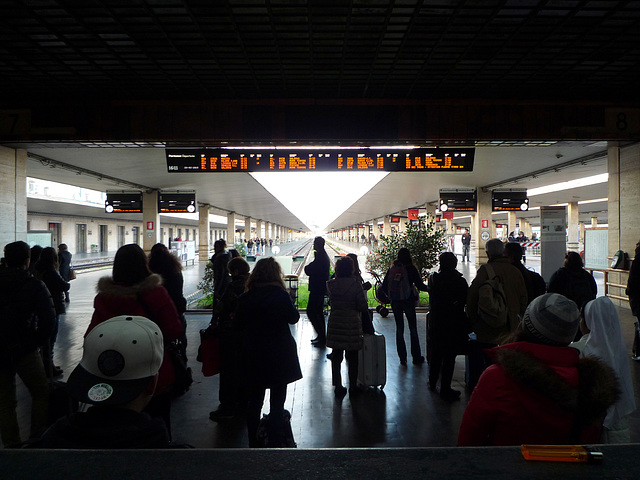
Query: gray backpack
x=492 y=302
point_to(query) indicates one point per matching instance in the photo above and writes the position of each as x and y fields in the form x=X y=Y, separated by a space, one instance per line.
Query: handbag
x=72 y=274
x=183 y=374
x=209 y=353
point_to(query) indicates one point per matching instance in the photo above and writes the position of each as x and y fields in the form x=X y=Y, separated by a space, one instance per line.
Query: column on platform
x=13 y=196
x=512 y=222
x=594 y=222
x=150 y=220
x=624 y=204
x=582 y=229
x=525 y=226
x=386 y=225
x=267 y=231
x=203 y=232
x=260 y=229
x=247 y=228
x=231 y=229
x=573 y=229
x=484 y=227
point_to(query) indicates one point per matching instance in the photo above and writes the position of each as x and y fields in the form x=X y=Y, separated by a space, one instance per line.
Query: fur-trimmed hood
x=106 y=286
x=528 y=365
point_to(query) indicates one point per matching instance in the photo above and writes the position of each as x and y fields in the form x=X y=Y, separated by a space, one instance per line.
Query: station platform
x=405 y=414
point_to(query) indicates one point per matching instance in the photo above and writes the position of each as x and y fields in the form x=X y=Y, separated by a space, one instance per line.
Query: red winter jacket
x=115 y=299
x=531 y=393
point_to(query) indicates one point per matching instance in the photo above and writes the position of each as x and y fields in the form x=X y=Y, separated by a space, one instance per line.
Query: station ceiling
x=89 y=51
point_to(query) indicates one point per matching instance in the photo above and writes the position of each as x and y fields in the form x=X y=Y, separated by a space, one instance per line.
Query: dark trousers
x=408 y=308
x=278 y=394
x=443 y=361
x=315 y=314
x=230 y=393
x=336 y=366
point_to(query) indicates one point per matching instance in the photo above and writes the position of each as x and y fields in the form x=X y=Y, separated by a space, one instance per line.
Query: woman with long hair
x=134 y=290
x=269 y=351
x=46 y=269
x=163 y=262
x=344 y=328
x=399 y=283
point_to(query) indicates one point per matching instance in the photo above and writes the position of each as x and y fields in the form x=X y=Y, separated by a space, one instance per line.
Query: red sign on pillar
x=447 y=215
x=485 y=223
x=149 y=225
x=412 y=213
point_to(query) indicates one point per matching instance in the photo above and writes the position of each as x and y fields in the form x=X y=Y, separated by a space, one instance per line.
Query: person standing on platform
x=269 y=355
x=449 y=326
x=27 y=318
x=318 y=273
x=534 y=282
x=402 y=282
x=223 y=324
x=573 y=281
x=539 y=391
x=64 y=262
x=466 y=244
x=167 y=265
x=488 y=332
x=344 y=329
x=220 y=263
x=47 y=270
x=633 y=292
x=118 y=391
x=602 y=338
x=134 y=290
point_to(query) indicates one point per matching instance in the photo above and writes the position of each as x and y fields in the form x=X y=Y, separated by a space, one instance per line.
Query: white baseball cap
x=120 y=357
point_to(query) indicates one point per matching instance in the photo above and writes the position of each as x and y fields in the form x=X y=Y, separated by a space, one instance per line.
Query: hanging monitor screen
x=176 y=202
x=123 y=202
x=509 y=200
x=437 y=159
x=458 y=201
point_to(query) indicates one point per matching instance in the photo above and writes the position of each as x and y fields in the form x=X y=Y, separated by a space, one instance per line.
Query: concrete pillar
x=203 y=232
x=594 y=222
x=150 y=220
x=573 y=228
x=624 y=204
x=13 y=196
x=247 y=228
x=448 y=225
x=386 y=226
x=231 y=229
x=512 y=222
x=483 y=228
x=204 y=244
x=581 y=225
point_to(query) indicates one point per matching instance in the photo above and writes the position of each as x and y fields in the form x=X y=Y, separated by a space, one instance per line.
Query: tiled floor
x=403 y=414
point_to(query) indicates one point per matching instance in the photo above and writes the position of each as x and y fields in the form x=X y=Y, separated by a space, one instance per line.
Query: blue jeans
x=408 y=308
x=31 y=371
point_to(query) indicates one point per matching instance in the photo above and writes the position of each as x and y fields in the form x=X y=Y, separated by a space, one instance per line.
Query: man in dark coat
x=27 y=318
x=633 y=292
x=220 y=262
x=534 y=282
x=448 y=323
x=318 y=273
x=64 y=265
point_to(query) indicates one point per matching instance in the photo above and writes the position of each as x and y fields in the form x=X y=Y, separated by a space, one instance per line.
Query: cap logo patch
x=100 y=392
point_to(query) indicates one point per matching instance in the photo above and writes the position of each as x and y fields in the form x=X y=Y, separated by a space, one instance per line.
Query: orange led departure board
x=435 y=159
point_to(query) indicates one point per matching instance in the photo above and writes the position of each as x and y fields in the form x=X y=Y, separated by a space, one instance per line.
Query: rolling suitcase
x=372 y=361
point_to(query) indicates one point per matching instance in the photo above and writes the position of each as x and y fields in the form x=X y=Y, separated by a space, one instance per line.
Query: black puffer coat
x=269 y=351
x=347 y=299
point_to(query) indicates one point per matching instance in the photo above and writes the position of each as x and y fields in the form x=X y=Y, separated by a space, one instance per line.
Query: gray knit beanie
x=552 y=319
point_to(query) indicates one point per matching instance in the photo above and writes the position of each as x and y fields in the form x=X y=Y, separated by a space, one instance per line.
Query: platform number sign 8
x=623 y=123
